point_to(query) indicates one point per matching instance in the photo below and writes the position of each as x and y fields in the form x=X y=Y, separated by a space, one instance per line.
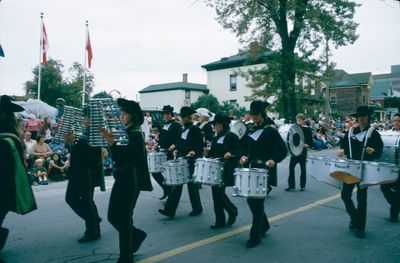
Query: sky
x=137 y=43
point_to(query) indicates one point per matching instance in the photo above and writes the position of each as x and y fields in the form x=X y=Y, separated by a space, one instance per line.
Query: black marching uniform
x=208 y=132
x=222 y=143
x=260 y=144
x=85 y=173
x=358 y=215
x=392 y=195
x=169 y=135
x=301 y=159
x=191 y=139
x=131 y=175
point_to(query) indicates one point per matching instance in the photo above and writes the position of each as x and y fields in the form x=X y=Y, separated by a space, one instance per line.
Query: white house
x=224 y=82
x=177 y=94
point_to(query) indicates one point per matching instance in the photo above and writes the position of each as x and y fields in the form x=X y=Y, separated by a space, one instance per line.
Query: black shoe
x=359 y=233
x=289 y=189
x=302 y=189
x=394 y=219
x=216 y=226
x=138 y=237
x=252 y=243
x=89 y=238
x=232 y=219
x=165 y=195
x=3 y=237
x=265 y=230
x=167 y=213
x=195 y=213
x=125 y=260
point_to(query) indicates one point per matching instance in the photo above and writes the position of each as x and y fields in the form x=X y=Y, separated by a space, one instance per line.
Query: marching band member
x=190 y=146
x=262 y=147
x=302 y=158
x=169 y=135
x=357 y=145
x=205 y=126
x=131 y=176
x=12 y=165
x=84 y=175
x=224 y=145
x=392 y=191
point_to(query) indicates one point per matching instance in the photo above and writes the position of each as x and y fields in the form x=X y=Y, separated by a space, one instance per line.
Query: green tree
x=209 y=102
x=392 y=102
x=54 y=86
x=102 y=95
x=294 y=31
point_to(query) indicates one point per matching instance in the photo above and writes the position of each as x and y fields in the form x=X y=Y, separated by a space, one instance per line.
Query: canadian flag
x=44 y=44
x=89 y=49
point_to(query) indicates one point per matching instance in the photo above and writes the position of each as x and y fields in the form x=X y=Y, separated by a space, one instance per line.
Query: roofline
x=175 y=88
x=243 y=60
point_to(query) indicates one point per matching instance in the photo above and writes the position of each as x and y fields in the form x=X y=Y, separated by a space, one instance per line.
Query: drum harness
x=367 y=136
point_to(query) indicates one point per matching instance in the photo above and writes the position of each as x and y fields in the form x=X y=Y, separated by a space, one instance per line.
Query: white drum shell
x=379 y=173
x=250 y=182
x=176 y=172
x=391 y=148
x=155 y=160
x=208 y=171
x=352 y=167
x=319 y=168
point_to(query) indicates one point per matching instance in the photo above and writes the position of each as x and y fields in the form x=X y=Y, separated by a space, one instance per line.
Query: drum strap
x=349 y=138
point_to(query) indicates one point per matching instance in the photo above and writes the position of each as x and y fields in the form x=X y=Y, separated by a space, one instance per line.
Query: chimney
x=185 y=77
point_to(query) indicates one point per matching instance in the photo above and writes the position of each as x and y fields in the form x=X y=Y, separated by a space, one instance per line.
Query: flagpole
x=84 y=65
x=40 y=55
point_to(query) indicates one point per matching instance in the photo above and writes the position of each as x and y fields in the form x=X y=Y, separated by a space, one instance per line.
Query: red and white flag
x=45 y=45
x=89 y=49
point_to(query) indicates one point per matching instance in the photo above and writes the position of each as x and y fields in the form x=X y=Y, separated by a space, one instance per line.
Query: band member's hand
x=206 y=150
x=155 y=146
x=171 y=148
x=270 y=163
x=69 y=138
x=191 y=154
x=305 y=145
x=243 y=160
x=175 y=153
x=370 y=150
x=340 y=153
x=227 y=155
x=106 y=135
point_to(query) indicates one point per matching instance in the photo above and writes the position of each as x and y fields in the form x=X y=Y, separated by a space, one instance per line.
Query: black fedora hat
x=363 y=111
x=258 y=106
x=186 y=111
x=221 y=118
x=131 y=107
x=6 y=105
x=168 y=109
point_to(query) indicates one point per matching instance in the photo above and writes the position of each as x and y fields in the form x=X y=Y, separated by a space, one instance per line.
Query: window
x=333 y=100
x=187 y=94
x=233 y=102
x=363 y=99
x=232 y=82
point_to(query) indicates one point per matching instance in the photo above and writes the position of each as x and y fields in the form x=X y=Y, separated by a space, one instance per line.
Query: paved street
x=308 y=226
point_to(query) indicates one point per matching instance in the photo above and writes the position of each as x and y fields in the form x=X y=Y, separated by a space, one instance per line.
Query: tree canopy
x=299 y=34
x=54 y=85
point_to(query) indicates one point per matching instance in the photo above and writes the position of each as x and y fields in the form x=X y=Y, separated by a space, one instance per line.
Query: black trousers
x=294 y=160
x=160 y=180
x=260 y=220
x=392 y=195
x=124 y=195
x=176 y=193
x=221 y=203
x=3 y=213
x=79 y=197
x=357 y=215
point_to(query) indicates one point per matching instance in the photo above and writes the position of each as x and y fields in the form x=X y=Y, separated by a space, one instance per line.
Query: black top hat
x=131 y=107
x=6 y=105
x=220 y=118
x=168 y=109
x=363 y=111
x=186 y=111
x=258 y=106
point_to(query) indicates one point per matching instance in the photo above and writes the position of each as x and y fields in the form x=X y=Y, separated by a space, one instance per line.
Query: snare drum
x=208 y=171
x=319 y=168
x=176 y=172
x=155 y=160
x=379 y=173
x=391 y=147
x=250 y=182
x=346 y=170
